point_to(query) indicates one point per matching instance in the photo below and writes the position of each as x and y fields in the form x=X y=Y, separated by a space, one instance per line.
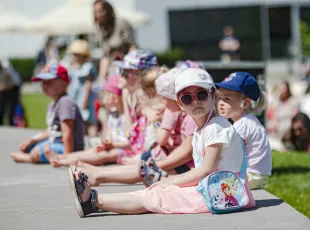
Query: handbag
x=224 y=191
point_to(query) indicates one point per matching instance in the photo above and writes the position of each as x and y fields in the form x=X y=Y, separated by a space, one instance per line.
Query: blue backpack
x=224 y=191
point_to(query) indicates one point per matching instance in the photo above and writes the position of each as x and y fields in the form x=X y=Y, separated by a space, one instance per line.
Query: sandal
x=153 y=165
x=78 y=187
x=145 y=172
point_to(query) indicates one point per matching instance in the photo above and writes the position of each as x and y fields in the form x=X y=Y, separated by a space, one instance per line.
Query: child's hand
x=85 y=105
x=152 y=116
x=104 y=146
x=24 y=146
x=100 y=148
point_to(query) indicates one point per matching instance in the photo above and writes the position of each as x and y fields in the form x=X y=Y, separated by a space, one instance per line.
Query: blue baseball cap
x=242 y=82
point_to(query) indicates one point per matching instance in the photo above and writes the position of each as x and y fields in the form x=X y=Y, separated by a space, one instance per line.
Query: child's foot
x=148 y=175
x=52 y=157
x=21 y=157
x=93 y=179
x=85 y=198
x=85 y=195
x=152 y=164
x=83 y=164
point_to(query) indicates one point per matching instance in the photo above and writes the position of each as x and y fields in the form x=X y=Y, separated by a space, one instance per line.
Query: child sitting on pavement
x=174 y=135
x=239 y=97
x=65 y=132
x=217 y=147
x=107 y=151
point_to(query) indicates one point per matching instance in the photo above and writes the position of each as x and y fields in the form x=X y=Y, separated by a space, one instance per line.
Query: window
x=280 y=31
x=199 y=31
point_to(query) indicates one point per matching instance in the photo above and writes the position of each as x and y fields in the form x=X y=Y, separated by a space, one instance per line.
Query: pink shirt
x=181 y=126
x=179 y=122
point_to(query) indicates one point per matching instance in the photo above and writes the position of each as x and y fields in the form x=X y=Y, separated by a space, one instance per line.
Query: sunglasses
x=188 y=99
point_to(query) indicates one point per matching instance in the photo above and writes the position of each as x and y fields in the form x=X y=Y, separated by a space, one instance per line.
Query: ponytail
x=261 y=104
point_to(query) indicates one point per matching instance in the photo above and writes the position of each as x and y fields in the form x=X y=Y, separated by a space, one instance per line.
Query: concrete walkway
x=38 y=197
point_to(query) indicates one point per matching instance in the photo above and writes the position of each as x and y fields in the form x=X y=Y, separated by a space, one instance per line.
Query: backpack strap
x=244 y=164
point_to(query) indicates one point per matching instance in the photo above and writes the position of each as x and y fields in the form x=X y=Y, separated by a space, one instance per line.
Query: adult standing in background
x=15 y=109
x=47 y=55
x=229 y=45
x=6 y=85
x=115 y=36
x=82 y=75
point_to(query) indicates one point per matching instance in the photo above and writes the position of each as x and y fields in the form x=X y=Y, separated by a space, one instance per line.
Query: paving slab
x=38 y=197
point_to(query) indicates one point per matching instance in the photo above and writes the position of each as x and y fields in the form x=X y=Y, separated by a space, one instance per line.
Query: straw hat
x=80 y=47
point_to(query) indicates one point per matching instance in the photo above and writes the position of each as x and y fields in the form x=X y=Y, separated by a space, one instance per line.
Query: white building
x=158 y=35
x=170 y=17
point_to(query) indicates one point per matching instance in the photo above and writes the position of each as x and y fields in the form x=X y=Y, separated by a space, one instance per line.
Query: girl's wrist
x=36 y=137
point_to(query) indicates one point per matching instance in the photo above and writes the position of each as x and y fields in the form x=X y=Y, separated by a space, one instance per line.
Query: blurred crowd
x=288 y=113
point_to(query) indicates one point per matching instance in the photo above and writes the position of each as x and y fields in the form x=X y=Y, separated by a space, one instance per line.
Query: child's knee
x=257 y=181
x=35 y=155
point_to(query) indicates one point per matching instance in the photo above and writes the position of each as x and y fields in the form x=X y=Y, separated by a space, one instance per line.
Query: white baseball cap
x=165 y=83
x=193 y=77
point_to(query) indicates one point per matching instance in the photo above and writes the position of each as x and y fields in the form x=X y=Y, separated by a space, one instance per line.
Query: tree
x=305 y=38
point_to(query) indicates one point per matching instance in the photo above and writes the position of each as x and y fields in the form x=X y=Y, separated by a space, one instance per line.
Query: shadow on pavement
x=268 y=203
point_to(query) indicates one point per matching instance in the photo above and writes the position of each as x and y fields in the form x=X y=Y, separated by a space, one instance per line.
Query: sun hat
x=80 y=47
x=111 y=85
x=165 y=83
x=188 y=64
x=139 y=59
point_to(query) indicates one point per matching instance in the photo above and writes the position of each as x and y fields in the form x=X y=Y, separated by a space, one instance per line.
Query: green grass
x=291 y=171
x=290 y=180
x=35 y=107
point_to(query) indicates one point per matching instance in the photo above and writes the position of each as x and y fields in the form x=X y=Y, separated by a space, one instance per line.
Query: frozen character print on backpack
x=230 y=200
x=219 y=199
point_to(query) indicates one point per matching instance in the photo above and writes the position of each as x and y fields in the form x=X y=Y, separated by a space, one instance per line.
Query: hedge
x=170 y=57
x=24 y=66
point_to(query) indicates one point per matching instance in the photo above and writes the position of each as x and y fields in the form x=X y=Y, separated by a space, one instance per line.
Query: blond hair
x=148 y=79
x=255 y=106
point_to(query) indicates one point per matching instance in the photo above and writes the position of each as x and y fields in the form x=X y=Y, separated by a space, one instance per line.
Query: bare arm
x=120 y=145
x=40 y=137
x=104 y=64
x=128 y=119
x=33 y=140
x=162 y=136
x=179 y=156
x=67 y=135
x=87 y=85
x=192 y=177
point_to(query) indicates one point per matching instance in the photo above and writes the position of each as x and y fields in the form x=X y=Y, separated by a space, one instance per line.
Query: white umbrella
x=76 y=17
x=11 y=21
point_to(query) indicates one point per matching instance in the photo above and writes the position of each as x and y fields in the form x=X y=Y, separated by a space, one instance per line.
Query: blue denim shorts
x=55 y=147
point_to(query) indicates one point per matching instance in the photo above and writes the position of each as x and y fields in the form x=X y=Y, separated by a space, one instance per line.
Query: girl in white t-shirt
x=239 y=97
x=218 y=147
